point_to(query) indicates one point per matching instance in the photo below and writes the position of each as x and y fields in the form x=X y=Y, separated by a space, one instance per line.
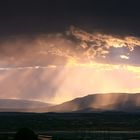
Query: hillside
x=13 y=105
x=100 y=102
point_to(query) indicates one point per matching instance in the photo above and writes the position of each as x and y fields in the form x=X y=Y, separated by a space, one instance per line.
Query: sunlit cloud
x=124 y=57
x=99 y=44
x=31 y=67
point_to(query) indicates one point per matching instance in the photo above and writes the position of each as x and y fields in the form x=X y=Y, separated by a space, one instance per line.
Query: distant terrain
x=17 y=105
x=124 y=102
x=100 y=103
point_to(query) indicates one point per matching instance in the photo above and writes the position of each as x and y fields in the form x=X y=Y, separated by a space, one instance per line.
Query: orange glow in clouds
x=82 y=79
x=80 y=74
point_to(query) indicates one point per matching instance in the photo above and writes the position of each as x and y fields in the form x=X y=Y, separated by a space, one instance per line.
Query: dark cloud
x=34 y=17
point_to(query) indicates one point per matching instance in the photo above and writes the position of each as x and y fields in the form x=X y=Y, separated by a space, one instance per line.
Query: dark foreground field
x=72 y=126
x=82 y=135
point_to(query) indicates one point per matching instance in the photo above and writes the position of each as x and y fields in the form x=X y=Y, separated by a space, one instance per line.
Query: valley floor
x=74 y=126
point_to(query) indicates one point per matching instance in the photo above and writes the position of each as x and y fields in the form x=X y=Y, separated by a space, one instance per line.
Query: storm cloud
x=73 y=45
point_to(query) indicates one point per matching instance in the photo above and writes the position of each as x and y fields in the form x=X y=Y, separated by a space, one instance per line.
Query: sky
x=54 y=51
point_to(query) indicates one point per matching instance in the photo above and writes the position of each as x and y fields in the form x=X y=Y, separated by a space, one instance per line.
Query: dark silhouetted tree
x=25 y=134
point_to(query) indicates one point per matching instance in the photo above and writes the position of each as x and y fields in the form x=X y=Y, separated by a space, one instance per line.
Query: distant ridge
x=18 y=105
x=100 y=102
x=119 y=102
